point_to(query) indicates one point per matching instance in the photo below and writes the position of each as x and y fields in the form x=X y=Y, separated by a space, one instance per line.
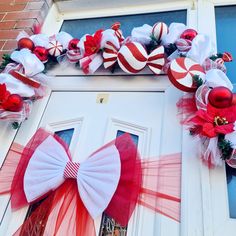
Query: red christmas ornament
x=73 y=44
x=13 y=103
x=189 y=34
x=227 y=57
x=220 y=97
x=26 y=43
x=41 y=53
x=234 y=99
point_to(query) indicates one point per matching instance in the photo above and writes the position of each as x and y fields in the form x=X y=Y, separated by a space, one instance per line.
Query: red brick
x=6 y=34
x=10 y=44
x=34 y=5
x=25 y=24
x=1 y=44
x=11 y=7
x=2 y=15
x=22 y=15
x=7 y=25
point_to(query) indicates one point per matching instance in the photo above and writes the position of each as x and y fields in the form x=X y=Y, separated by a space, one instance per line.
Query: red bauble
x=73 y=44
x=13 y=103
x=189 y=34
x=41 y=53
x=220 y=97
x=234 y=99
x=26 y=43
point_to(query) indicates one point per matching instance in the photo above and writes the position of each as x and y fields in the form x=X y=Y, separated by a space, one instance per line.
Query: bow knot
x=71 y=170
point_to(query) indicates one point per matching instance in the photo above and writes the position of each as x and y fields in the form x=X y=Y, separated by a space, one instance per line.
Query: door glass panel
x=35 y=225
x=65 y=135
x=226 y=37
x=80 y=27
x=109 y=227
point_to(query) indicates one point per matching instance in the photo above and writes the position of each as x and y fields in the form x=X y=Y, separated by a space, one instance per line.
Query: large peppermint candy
x=159 y=30
x=181 y=73
x=132 y=57
x=156 y=60
x=109 y=55
x=55 y=48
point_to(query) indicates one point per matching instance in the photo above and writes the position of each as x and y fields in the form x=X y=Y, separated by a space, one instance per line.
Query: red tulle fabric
x=152 y=183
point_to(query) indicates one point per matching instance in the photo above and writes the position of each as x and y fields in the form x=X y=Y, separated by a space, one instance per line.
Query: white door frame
x=194 y=174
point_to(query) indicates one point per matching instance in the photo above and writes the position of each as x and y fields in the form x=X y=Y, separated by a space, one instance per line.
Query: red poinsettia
x=92 y=44
x=4 y=94
x=214 y=121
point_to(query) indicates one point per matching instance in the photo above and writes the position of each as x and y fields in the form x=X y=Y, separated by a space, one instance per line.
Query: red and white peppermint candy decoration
x=55 y=48
x=109 y=55
x=219 y=61
x=181 y=73
x=159 y=30
x=132 y=58
x=156 y=60
x=183 y=45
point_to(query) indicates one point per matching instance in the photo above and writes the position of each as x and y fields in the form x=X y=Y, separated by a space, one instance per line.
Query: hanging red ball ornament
x=41 y=53
x=234 y=99
x=13 y=103
x=73 y=44
x=189 y=34
x=26 y=43
x=220 y=97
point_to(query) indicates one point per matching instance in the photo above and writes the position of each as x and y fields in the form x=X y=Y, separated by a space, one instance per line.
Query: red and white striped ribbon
x=71 y=170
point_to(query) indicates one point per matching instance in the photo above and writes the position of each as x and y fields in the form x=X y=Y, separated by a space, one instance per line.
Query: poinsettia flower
x=4 y=94
x=214 y=121
x=92 y=44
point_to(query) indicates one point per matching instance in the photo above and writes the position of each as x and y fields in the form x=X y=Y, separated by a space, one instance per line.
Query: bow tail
x=160 y=191
x=62 y=213
x=122 y=204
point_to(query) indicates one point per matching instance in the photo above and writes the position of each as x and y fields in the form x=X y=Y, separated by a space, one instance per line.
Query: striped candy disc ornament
x=109 y=54
x=132 y=57
x=159 y=30
x=183 y=45
x=55 y=48
x=181 y=73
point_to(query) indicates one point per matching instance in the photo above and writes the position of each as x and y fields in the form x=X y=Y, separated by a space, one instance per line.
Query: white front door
x=87 y=120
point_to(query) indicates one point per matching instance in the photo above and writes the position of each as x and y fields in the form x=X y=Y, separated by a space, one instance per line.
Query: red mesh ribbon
x=153 y=183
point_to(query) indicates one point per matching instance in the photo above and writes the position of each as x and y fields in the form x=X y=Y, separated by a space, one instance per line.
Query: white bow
x=97 y=177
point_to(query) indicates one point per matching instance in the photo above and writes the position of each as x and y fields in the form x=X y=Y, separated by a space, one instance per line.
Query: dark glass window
x=226 y=38
x=80 y=27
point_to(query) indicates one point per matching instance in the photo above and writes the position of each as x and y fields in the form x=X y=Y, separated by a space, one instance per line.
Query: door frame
x=191 y=207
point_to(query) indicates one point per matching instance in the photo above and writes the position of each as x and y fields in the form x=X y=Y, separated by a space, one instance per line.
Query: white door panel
x=149 y=115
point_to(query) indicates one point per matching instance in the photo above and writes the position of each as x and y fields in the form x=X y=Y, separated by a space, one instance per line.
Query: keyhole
x=101 y=100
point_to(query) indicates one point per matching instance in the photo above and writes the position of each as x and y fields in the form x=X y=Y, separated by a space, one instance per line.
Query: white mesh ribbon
x=16 y=86
x=201 y=48
x=175 y=30
x=216 y=77
x=142 y=34
x=32 y=65
x=97 y=177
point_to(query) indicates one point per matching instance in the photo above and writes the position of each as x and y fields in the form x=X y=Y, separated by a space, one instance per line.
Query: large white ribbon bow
x=97 y=177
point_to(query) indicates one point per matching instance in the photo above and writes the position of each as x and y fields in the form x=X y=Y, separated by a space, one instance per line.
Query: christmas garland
x=187 y=57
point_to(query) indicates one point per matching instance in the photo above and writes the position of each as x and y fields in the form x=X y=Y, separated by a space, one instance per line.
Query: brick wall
x=18 y=15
